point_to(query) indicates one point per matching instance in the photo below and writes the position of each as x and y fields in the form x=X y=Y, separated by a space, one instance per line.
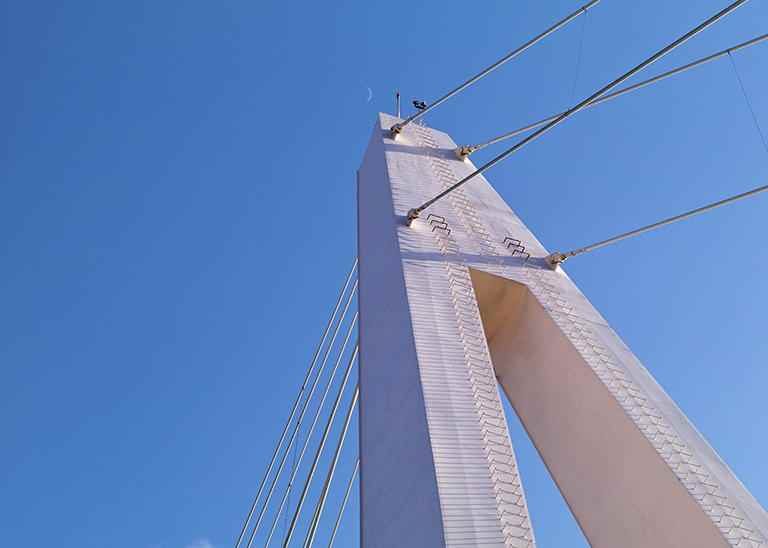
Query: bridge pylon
x=461 y=302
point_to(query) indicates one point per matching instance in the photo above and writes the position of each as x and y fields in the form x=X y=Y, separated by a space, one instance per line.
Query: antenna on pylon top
x=397 y=102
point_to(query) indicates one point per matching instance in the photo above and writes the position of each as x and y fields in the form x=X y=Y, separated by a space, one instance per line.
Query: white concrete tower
x=448 y=306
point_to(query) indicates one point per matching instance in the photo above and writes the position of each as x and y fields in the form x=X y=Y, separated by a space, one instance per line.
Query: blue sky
x=177 y=213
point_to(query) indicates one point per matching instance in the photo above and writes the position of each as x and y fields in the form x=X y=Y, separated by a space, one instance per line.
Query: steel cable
x=415 y=212
x=296 y=404
x=397 y=128
x=319 y=450
x=317 y=514
x=579 y=55
x=304 y=408
x=340 y=515
x=558 y=257
x=295 y=471
x=466 y=150
x=749 y=103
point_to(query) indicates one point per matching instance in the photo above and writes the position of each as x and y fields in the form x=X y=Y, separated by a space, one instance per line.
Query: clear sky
x=177 y=211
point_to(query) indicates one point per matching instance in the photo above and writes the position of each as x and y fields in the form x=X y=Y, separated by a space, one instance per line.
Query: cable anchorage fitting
x=463 y=152
x=395 y=130
x=413 y=214
x=554 y=259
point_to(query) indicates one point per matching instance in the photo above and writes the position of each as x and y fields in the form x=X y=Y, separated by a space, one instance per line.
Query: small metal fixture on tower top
x=420 y=106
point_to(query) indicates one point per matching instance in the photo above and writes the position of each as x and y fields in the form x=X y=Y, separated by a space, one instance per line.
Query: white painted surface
x=434 y=441
x=632 y=468
x=399 y=505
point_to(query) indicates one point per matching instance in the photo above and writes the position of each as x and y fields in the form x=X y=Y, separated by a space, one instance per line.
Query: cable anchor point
x=554 y=259
x=413 y=214
x=463 y=152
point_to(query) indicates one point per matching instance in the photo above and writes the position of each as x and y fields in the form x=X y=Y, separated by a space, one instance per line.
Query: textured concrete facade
x=452 y=303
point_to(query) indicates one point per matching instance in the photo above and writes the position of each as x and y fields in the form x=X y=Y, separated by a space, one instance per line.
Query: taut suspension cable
x=304 y=447
x=558 y=257
x=749 y=103
x=304 y=408
x=465 y=150
x=317 y=514
x=415 y=212
x=344 y=504
x=295 y=471
x=319 y=451
x=397 y=128
x=296 y=404
x=579 y=55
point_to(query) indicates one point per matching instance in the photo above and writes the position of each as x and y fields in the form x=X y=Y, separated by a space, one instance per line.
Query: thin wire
x=294 y=465
x=319 y=451
x=578 y=56
x=397 y=128
x=344 y=503
x=559 y=257
x=414 y=213
x=468 y=149
x=301 y=416
x=317 y=514
x=749 y=103
x=295 y=405
x=306 y=443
